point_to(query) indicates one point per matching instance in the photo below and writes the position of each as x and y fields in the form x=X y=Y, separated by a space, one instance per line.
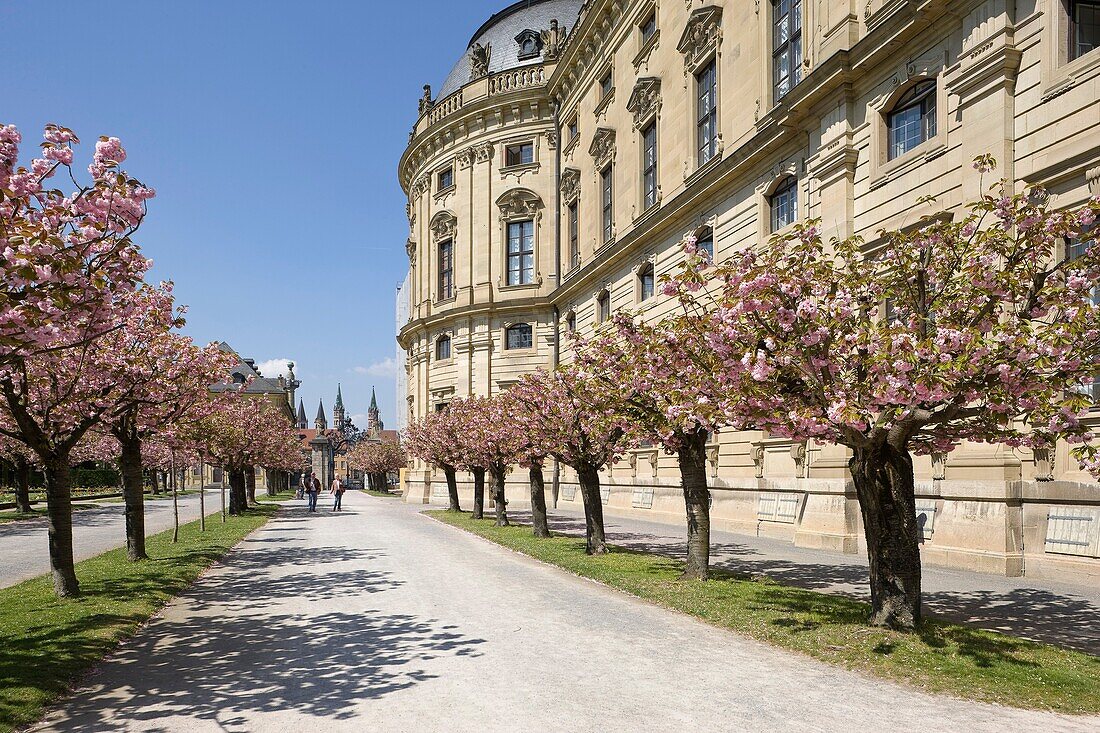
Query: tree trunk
x=538 y=502
x=238 y=492
x=175 y=505
x=479 y=493
x=589 y=479
x=692 y=458
x=883 y=477
x=133 y=491
x=500 y=503
x=22 y=485
x=59 y=500
x=272 y=483
x=452 y=489
x=250 y=483
x=156 y=486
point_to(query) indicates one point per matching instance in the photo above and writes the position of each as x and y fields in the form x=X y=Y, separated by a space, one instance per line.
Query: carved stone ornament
x=1092 y=177
x=410 y=250
x=570 y=185
x=701 y=36
x=939 y=466
x=421 y=185
x=553 y=40
x=552 y=140
x=443 y=225
x=758 y=460
x=712 y=459
x=602 y=149
x=483 y=152
x=1044 y=464
x=645 y=100
x=519 y=203
x=798 y=455
x=479 y=60
x=465 y=158
x=426 y=102
x=410 y=213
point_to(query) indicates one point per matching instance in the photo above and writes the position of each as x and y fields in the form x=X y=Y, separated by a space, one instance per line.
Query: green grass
x=375 y=492
x=48 y=643
x=941 y=657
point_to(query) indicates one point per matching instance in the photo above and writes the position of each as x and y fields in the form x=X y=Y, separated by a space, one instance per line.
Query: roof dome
x=503 y=33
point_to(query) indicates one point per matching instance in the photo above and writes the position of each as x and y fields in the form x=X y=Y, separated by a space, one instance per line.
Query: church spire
x=338 y=410
x=303 y=423
x=374 y=417
x=339 y=398
x=319 y=422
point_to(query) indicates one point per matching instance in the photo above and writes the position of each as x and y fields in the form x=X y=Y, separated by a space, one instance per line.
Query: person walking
x=300 y=493
x=337 y=490
x=313 y=488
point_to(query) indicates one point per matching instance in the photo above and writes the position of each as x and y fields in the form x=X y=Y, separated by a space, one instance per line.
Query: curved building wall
x=634 y=71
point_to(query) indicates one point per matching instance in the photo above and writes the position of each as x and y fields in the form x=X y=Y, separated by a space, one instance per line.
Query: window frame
x=924 y=97
x=650 y=163
x=649 y=21
x=449 y=171
x=706 y=117
x=607 y=85
x=787 y=186
x=445 y=275
x=603 y=306
x=574 y=226
x=443 y=338
x=703 y=235
x=1072 y=41
x=512 y=150
x=514 y=328
x=525 y=274
x=779 y=48
x=646 y=282
x=607 y=202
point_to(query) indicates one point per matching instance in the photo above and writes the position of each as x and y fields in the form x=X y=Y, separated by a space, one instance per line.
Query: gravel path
x=24 y=548
x=378 y=619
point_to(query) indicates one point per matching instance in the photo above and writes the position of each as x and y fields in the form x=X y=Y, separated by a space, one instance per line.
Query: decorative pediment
x=701 y=36
x=443 y=225
x=570 y=185
x=645 y=100
x=602 y=148
x=519 y=203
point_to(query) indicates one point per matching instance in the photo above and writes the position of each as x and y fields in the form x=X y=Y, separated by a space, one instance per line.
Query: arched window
x=518 y=336
x=443 y=348
x=913 y=119
x=704 y=241
x=571 y=322
x=784 y=203
x=603 y=307
x=645 y=282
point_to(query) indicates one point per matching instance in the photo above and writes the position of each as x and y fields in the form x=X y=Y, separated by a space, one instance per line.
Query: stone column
x=322 y=460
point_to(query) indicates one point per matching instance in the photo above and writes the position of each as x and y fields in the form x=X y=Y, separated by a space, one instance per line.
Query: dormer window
x=530 y=44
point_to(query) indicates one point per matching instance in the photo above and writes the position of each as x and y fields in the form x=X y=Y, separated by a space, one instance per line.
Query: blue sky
x=271 y=131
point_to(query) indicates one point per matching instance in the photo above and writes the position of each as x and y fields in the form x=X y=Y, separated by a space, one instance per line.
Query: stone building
x=574 y=144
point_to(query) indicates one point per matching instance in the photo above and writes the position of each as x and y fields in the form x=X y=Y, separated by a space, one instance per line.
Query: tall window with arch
x=783 y=203
x=518 y=336
x=446 y=269
x=706 y=112
x=912 y=120
x=607 y=193
x=574 y=236
x=443 y=348
x=704 y=242
x=649 y=165
x=603 y=307
x=645 y=282
x=521 y=252
x=786 y=46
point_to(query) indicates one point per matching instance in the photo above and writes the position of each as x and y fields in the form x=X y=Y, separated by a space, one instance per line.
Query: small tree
x=572 y=416
x=432 y=439
x=377 y=460
x=977 y=328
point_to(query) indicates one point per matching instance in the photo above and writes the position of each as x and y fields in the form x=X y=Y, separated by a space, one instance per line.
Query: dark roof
x=302 y=413
x=321 y=411
x=500 y=32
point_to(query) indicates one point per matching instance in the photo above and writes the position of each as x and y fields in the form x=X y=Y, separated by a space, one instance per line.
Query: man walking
x=337 y=490
x=313 y=488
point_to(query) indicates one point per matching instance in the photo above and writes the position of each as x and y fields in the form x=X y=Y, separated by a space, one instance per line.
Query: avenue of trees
x=377 y=461
x=979 y=327
x=92 y=364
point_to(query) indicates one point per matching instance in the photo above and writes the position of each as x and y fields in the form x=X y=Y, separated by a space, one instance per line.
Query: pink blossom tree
x=433 y=439
x=376 y=460
x=571 y=415
x=978 y=328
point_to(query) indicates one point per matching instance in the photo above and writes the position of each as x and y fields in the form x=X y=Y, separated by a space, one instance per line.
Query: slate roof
x=501 y=30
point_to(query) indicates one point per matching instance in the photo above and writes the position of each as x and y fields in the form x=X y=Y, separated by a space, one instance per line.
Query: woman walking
x=337 y=490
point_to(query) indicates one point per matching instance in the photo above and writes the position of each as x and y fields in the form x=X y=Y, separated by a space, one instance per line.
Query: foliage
x=376 y=457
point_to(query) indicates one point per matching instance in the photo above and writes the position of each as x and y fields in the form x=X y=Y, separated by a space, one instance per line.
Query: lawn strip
x=48 y=643
x=941 y=657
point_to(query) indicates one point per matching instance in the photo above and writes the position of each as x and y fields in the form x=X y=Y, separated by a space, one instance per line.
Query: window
x=446 y=269
x=603 y=307
x=784 y=203
x=607 y=192
x=1076 y=248
x=706 y=119
x=649 y=165
x=1084 y=27
x=913 y=120
x=521 y=252
x=446 y=179
x=574 y=236
x=530 y=44
x=786 y=46
x=443 y=348
x=571 y=322
x=606 y=86
x=518 y=336
x=645 y=282
x=648 y=27
x=519 y=154
x=704 y=241
x=574 y=129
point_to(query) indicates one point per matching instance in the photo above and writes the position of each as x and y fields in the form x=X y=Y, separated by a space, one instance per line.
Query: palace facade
x=553 y=174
